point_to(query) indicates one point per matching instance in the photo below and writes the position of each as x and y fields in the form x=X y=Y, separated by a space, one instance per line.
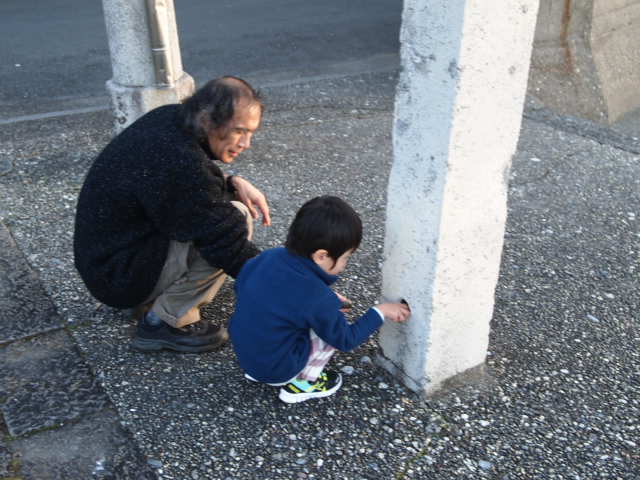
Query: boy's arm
x=396 y=312
x=331 y=325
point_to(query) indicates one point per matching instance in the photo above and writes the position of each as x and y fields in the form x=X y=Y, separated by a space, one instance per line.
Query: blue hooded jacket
x=280 y=297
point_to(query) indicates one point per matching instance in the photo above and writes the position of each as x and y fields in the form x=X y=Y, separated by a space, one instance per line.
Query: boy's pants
x=187 y=281
x=321 y=353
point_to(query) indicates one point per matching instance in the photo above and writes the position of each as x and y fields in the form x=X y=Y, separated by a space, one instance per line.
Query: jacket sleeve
x=186 y=203
x=330 y=324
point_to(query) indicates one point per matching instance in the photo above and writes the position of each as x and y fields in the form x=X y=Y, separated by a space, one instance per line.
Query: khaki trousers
x=187 y=281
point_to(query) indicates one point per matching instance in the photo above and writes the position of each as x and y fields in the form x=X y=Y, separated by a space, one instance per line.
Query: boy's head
x=326 y=230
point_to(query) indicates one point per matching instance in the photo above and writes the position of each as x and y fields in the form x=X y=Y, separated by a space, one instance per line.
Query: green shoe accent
x=300 y=390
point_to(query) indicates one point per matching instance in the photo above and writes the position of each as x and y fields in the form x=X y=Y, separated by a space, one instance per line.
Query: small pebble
x=483 y=464
x=347 y=370
x=366 y=359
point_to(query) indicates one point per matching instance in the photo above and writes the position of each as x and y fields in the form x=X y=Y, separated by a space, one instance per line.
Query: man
x=159 y=226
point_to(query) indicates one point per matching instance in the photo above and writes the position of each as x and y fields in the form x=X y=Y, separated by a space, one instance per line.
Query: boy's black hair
x=327 y=223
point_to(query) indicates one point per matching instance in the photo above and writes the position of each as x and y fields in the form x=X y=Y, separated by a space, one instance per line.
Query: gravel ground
x=558 y=397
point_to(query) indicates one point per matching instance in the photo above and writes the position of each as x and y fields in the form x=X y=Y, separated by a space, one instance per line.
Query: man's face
x=230 y=140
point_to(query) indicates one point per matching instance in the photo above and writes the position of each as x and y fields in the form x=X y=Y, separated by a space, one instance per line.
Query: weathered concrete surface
x=5 y=459
x=56 y=420
x=24 y=307
x=456 y=129
x=45 y=383
x=96 y=447
x=585 y=59
x=615 y=40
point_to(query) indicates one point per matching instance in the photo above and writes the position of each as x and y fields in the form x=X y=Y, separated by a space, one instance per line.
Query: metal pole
x=158 y=25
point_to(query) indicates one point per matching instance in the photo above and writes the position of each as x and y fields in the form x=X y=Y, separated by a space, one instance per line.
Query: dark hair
x=216 y=100
x=327 y=223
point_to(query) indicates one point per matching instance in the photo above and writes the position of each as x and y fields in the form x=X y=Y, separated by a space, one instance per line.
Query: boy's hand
x=346 y=303
x=396 y=312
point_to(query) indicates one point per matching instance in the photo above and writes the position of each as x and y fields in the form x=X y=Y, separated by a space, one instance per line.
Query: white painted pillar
x=145 y=56
x=458 y=110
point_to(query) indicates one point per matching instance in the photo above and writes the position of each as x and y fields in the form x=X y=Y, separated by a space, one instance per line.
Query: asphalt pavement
x=561 y=394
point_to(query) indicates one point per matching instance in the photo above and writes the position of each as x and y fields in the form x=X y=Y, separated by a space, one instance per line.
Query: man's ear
x=319 y=255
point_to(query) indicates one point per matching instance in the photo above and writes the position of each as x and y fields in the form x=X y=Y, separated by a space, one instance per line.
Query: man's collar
x=207 y=149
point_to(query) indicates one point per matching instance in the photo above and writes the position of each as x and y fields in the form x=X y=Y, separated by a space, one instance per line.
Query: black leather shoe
x=198 y=337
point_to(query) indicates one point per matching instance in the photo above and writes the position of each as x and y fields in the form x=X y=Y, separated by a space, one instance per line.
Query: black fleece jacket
x=151 y=184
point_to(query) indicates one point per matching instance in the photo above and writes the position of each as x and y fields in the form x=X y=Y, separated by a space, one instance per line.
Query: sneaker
x=152 y=334
x=299 y=390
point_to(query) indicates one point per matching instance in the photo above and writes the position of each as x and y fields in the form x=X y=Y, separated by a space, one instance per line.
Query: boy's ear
x=319 y=255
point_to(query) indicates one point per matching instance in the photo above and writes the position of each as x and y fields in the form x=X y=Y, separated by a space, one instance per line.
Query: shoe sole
x=303 y=397
x=251 y=379
x=154 y=345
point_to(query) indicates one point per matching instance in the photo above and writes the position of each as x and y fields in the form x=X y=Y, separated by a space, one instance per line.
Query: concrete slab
x=6 y=460
x=96 y=447
x=45 y=383
x=25 y=308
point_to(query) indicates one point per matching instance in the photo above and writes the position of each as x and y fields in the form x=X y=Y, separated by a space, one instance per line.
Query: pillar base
x=476 y=377
x=421 y=388
x=130 y=103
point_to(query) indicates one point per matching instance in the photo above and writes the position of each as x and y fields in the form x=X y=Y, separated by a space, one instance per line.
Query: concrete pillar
x=145 y=56
x=458 y=110
x=585 y=60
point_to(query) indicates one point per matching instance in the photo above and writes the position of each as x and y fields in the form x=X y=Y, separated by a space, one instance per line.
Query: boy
x=288 y=322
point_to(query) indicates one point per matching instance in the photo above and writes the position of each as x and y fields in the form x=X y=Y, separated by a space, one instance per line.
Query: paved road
x=56 y=57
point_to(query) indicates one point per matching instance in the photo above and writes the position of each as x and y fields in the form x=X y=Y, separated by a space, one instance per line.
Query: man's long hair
x=213 y=105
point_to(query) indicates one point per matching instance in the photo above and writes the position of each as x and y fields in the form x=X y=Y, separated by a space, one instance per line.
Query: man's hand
x=396 y=312
x=253 y=198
